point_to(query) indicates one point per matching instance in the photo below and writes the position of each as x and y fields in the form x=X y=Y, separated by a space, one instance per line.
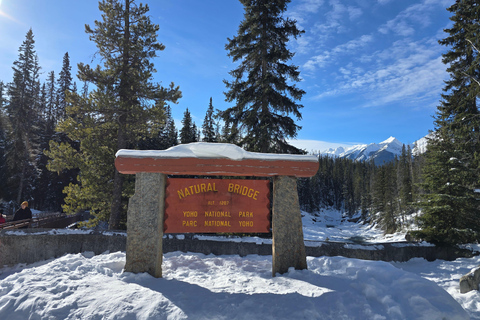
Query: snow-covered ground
x=329 y=225
x=197 y=286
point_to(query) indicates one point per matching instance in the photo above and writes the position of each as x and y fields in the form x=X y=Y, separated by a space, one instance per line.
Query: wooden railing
x=37 y=222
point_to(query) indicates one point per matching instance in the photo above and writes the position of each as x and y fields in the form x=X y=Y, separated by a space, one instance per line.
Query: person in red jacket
x=2 y=218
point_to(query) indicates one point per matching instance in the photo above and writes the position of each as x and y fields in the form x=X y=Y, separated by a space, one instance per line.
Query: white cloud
x=409 y=72
x=417 y=15
x=321 y=60
x=416 y=84
x=336 y=17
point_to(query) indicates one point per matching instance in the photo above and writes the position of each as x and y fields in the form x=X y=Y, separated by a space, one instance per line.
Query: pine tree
x=188 y=133
x=208 y=126
x=405 y=184
x=64 y=85
x=2 y=95
x=451 y=174
x=22 y=111
x=384 y=197
x=170 y=137
x=124 y=108
x=3 y=141
x=261 y=87
x=51 y=99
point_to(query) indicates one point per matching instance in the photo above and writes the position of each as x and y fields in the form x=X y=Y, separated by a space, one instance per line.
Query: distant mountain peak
x=391 y=140
x=382 y=152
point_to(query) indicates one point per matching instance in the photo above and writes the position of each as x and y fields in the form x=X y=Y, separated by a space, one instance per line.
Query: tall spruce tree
x=451 y=175
x=262 y=86
x=170 y=132
x=51 y=100
x=64 y=83
x=3 y=141
x=22 y=111
x=208 y=126
x=188 y=133
x=123 y=109
x=2 y=95
x=404 y=181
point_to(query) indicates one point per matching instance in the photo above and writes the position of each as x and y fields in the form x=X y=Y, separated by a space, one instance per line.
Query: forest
x=386 y=194
x=58 y=139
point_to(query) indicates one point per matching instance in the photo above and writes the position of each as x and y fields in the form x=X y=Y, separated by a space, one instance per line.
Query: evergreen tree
x=124 y=108
x=451 y=173
x=405 y=184
x=2 y=95
x=188 y=133
x=170 y=137
x=46 y=184
x=22 y=111
x=384 y=197
x=64 y=85
x=208 y=127
x=51 y=99
x=3 y=141
x=261 y=87
x=230 y=134
x=167 y=136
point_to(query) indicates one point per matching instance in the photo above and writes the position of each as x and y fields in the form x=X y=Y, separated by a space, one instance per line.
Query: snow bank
x=219 y=287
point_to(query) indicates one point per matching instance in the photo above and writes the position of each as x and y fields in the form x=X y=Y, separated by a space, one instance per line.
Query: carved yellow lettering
x=189 y=223
x=244 y=191
x=180 y=194
x=246 y=224
x=255 y=195
x=245 y=214
x=190 y=214
x=203 y=187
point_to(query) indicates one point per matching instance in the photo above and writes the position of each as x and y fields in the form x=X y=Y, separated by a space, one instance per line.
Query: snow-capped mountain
x=382 y=152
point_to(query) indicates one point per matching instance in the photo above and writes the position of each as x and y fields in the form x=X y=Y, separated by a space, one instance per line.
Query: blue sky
x=371 y=68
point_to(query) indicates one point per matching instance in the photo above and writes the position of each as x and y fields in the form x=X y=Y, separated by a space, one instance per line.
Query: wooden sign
x=217 y=206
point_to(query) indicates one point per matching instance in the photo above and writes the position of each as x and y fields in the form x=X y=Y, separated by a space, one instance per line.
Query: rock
x=288 y=247
x=470 y=281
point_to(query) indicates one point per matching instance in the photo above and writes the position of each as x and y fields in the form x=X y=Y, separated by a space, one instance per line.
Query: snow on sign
x=217 y=206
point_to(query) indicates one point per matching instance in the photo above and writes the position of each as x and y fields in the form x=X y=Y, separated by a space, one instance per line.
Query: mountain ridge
x=382 y=152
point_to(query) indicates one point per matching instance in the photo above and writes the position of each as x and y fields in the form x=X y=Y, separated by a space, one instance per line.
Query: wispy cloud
x=321 y=60
x=407 y=21
x=335 y=18
x=391 y=62
x=409 y=72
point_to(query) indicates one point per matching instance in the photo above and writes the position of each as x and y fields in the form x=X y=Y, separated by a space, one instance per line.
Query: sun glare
x=3 y=14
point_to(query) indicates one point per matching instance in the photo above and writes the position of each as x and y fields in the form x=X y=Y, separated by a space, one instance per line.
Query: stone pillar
x=145 y=224
x=288 y=248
